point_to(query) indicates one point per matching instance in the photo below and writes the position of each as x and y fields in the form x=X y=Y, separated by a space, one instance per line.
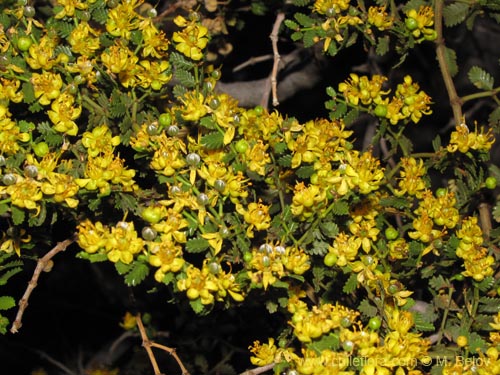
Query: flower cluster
x=408 y=101
x=478 y=263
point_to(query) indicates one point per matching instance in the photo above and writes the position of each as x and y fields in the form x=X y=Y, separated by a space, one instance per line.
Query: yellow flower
x=191 y=40
x=62 y=187
x=122 y=19
x=10 y=134
x=120 y=60
x=153 y=71
x=425 y=20
x=366 y=231
x=100 y=140
x=123 y=243
x=63 y=114
x=67 y=8
x=129 y=321
x=24 y=193
x=330 y=6
x=363 y=89
x=462 y=139
x=258 y=158
x=411 y=181
x=200 y=284
x=47 y=86
x=11 y=241
x=41 y=55
x=307 y=200
x=155 y=43
x=194 y=106
x=378 y=17
x=84 y=39
x=263 y=354
x=92 y=237
x=166 y=255
x=346 y=248
x=256 y=215
x=10 y=90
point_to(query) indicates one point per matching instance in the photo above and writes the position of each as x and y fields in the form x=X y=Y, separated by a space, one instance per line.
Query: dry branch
x=41 y=265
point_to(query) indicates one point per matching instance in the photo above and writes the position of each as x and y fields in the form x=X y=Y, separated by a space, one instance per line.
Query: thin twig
x=274 y=40
x=41 y=265
x=455 y=101
x=258 y=370
x=252 y=61
x=148 y=344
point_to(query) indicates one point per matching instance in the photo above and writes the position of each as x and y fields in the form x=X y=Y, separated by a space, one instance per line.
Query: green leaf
x=480 y=78
x=451 y=60
x=8 y=274
x=196 y=245
x=309 y=37
x=213 y=141
x=296 y=36
x=305 y=171
x=494 y=120
x=137 y=274
x=197 y=306
x=413 y=4
x=304 y=20
x=100 y=15
x=4 y=323
x=382 y=45
x=329 y=229
x=455 y=13
x=340 y=208
x=338 y=110
x=486 y=284
x=318 y=248
x=396 y=202
x=439 y=282
x=17 y=215
x=285 y=161
x=489 y=304
x=330 y=341
x=179 y=62
x=367 y=309
x=122 y=268
x=422 y=323
x=351 y=116
x=208 y=122
x=351 y=283
x=185 y=78
x=292 y=24
x=28 y=92
x=7 y=302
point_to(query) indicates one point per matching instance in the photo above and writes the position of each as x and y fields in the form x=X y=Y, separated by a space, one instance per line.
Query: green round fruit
x=374 y=323
x=156 y=85
x=31 y=171
x=41 y=149
x=348 y=345
x=411 y=23
x=241 y=146
x=247 y=256
x=259 y=110
x=151 y=214
x=148 y=233
x=24 y=43
x=9 y=179
x=491 y=182
x=330 y=259
x=29 y=11
x=391 y=233
x=165 y=119
x=441 y=192
x=380 y=110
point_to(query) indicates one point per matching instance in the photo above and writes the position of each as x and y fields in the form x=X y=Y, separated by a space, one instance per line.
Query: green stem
x=482 y=94
x=445 y=315
x=455 y=101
